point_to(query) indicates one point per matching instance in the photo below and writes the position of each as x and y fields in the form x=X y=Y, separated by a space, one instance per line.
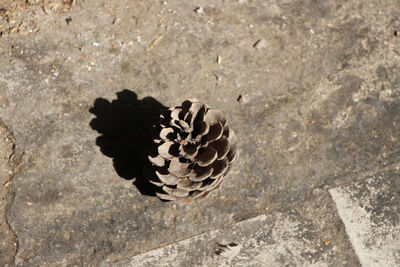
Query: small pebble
x=243 y=99
x=259 y=44
x=95 y=44
x=219 y=60
x=68 y=20
x=199 y=10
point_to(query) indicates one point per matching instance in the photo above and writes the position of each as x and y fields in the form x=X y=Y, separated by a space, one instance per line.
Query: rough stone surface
x=370 y=211
x=311 y=236
x=7 y=238
x=319 y=107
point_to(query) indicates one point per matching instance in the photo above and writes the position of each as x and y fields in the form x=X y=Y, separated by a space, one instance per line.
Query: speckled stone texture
x=311 y=89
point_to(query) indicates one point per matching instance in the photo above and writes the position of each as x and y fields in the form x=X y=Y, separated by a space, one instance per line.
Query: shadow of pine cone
x=125 y=126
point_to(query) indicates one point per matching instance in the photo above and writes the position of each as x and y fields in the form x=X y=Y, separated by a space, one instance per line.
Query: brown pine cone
x=193 y=151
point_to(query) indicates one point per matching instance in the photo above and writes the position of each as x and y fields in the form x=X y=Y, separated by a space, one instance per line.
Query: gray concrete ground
x=310 y=87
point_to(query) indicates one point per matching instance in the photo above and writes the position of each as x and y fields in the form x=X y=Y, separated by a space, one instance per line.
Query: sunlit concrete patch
x=370 y=212
x=277 y=239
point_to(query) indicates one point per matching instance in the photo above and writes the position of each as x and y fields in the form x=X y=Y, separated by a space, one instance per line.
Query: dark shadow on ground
x=125 y=126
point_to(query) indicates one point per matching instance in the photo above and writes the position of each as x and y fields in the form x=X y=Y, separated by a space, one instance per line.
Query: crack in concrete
x=14 y=235
x=15 y=167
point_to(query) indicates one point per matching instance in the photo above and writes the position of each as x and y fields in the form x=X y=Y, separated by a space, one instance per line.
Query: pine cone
x=193 y=151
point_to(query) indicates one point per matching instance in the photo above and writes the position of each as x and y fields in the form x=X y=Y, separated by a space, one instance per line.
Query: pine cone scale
x=168 y=179
x=200 y=173
x=219 y=167
x=165 y=148
x=179 y=169
x=206 y=157
x=189 y=151
x=166 y=134
x=175 y=191
x=175 y=114
x=157 y=161
x=215 y=132
x=200 y=129
x=187 y=184
x=214 y=116
x=221 y=146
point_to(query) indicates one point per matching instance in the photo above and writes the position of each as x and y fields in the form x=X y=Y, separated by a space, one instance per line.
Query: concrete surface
x=370 y=210
x=312 y=236
x=310 y=87
x=8 y=243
